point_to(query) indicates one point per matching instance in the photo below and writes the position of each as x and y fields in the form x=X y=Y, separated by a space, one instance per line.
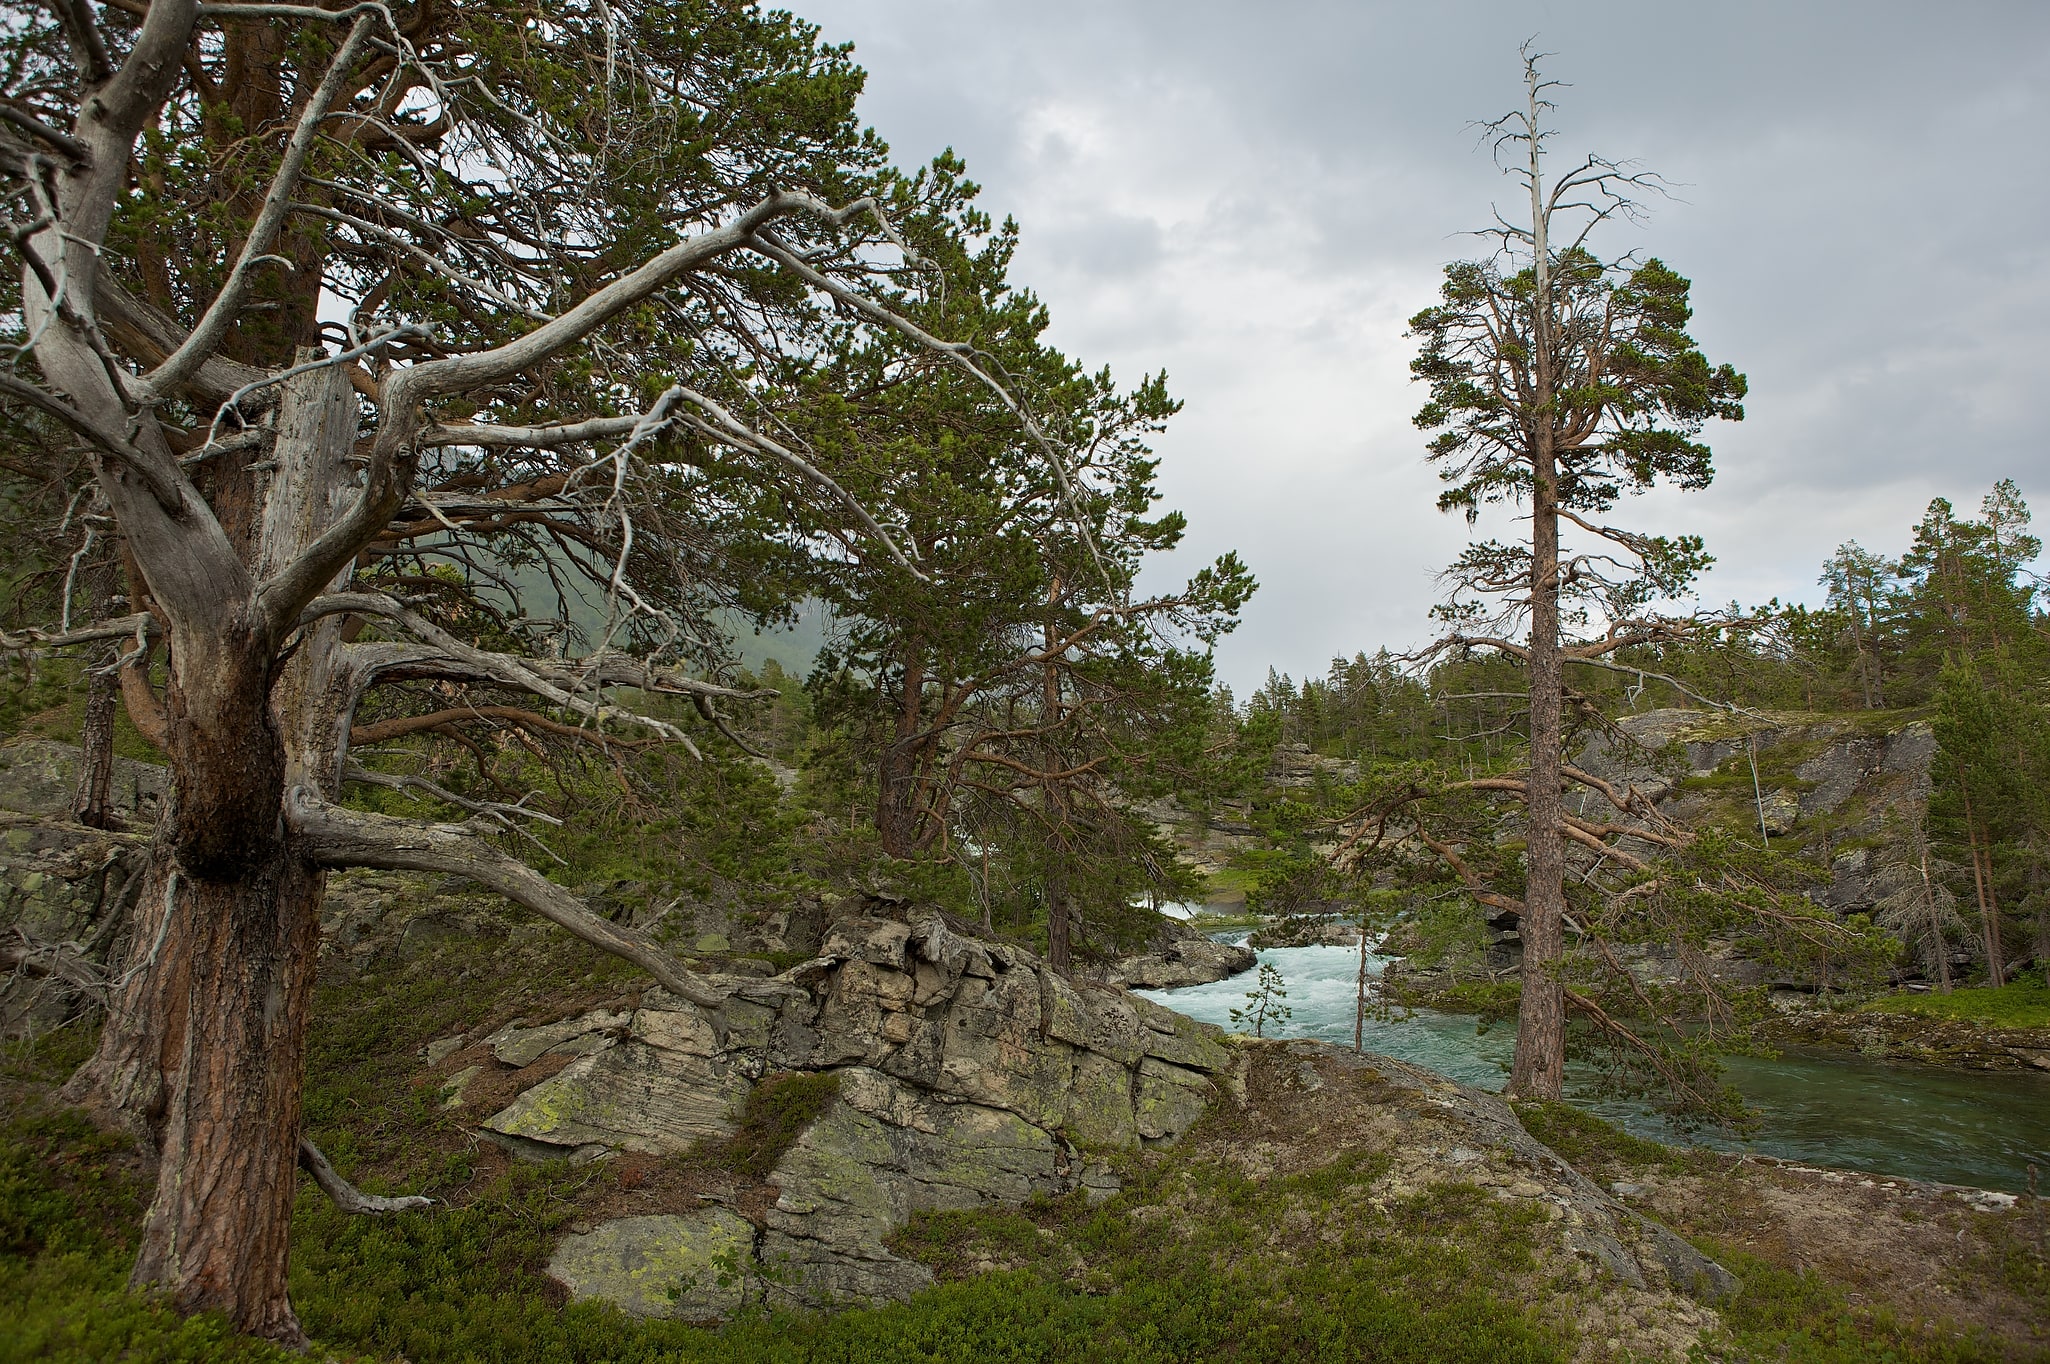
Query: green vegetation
x=2018 y=1004
x=774 y=1115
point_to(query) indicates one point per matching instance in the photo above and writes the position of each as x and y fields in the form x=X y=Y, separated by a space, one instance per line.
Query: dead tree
x=398 y=310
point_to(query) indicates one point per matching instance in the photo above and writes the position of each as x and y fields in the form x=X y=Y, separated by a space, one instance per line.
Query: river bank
x=1818 y=1105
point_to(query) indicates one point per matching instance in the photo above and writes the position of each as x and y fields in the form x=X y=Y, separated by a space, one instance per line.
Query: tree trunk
x=217 y=1233
x=1538 y=1070
x=91 y=802
x=1982 y=885
x=202 y=1056
x=1059 y=948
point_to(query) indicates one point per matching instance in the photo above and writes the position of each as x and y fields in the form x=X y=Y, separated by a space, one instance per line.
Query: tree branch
x=338 y=837
x=347 y=1196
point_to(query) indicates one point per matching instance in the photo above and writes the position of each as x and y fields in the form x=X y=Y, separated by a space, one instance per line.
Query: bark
x=216 y=1235
x=1982 y=885
x=203 y=1050
x=1538 y=1070
x=347 y=1196
x=339 y=837
x=91 y=803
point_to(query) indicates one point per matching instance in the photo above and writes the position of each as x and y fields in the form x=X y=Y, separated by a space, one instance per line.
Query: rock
x=517 y=1046
x=1307 y=930
x=1180 y=954
x=696 y=1267
x=40 y=776
x=441 y=1048
x=632 y=1096
x=453 y=1089
x=970 y=1076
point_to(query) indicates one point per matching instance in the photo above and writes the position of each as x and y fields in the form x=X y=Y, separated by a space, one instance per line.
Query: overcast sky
x=1256 y=197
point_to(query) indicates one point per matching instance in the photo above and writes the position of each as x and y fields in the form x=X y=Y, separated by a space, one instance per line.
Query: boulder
x=40 y=776
x=1179 y=954
x=696 y=1267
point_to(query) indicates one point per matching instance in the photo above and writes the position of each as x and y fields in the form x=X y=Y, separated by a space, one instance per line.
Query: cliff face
x=1829 y=787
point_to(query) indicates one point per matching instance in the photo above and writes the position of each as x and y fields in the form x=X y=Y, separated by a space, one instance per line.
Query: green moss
x=1599 y=1148
x=2021 y=1003
x=1194 y=1260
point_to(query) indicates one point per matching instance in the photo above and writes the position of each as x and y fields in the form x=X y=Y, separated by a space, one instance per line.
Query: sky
x=1256 y=197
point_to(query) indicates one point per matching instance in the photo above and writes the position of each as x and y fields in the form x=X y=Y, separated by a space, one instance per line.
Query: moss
x=1800 y=1316
x=1599 y=1148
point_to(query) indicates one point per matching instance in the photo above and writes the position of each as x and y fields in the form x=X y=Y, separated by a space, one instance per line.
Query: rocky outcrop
x=40 y=776
x=1179 y=954
x=1296 y=768
x=969 y=1075
x=1816 y=780
x=64 y=888
x=1307 y=930
x=1430 y=1130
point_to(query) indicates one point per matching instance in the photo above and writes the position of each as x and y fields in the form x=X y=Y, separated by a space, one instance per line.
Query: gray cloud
x=1256 y=198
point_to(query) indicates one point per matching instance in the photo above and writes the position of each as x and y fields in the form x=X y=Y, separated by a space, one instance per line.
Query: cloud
x=1256 y=198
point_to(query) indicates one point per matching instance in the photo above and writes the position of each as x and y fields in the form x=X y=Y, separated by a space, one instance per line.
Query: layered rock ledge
x=970 y=1075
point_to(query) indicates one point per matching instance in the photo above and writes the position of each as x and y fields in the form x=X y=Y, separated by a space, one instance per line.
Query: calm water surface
x=1830 y=1108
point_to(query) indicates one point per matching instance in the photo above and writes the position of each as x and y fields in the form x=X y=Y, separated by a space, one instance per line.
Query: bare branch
x=347 y=1196
x=338 y=837
x=227 y=304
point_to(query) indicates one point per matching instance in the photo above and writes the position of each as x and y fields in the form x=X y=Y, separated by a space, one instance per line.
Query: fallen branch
x=347 y=1196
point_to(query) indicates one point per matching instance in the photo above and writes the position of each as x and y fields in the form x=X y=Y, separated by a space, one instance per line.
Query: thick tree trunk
x=202 y=1055
x=1538 y=1070
x=217 y=1233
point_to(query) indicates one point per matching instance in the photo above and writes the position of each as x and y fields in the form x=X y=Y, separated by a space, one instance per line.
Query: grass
x=773 y=1116
x=2021 y=1003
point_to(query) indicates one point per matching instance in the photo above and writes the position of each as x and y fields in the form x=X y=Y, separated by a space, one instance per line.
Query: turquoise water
x=1827 y=1108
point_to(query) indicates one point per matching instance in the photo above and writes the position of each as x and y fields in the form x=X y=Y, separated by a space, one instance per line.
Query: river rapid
x=1829 y=1108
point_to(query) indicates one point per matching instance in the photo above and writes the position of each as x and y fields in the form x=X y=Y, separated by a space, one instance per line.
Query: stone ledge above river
x=970 y=1074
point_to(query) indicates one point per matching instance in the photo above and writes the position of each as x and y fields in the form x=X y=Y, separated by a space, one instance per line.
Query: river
x=1830 y=1108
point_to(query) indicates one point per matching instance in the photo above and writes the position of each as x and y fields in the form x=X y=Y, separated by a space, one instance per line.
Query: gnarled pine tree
x=341 y=299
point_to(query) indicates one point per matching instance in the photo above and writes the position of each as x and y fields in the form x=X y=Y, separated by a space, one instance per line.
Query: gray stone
x=517 y=1046
x=40 y=776
x=698 y=1267
x=633 y=1096
x=970 y=1076
x=456 y=1085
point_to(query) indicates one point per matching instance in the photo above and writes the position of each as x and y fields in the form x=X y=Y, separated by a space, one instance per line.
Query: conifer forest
x=637 y=723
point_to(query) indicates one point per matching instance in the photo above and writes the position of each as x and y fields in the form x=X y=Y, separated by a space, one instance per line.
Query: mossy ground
x=1836 y=1268
x=1195 y=1259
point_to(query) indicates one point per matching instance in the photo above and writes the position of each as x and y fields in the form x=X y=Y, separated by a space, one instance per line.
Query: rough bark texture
x=202 y=1053
x=96 y=745
x=1538 y=1070
x=217 y=1233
